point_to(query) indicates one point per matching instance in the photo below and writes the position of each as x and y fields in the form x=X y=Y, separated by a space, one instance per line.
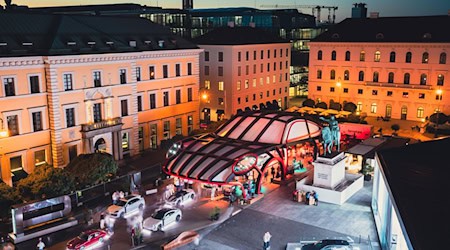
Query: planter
x=367 y=177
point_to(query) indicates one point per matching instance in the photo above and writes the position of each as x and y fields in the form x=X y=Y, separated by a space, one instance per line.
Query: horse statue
x=333 y=131
x=327 y=140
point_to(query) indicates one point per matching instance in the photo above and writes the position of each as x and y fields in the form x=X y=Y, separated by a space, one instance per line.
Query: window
x=392 y=57
x=268 y=93
x=220 y=101
x=374 y=92
x=247 y=70
x=331 y=89
x=67 y=82
x=220 y=71
x=319 y=88
x=319 y=74
x=287 y=52
x=346 y=75
x=151 y=72
x=268 y=79
x=268 y=67
x=333 y=55
x=319 y=55
x=220 y=56
x=373 y=108
x=96 y=75
x=247 y=55
x=153 y=136
x=274 y=66
x=389 y=93
x=177 y=69
x=239 y=56
x=221 y=86
x=423 y=79
x=405 y=94
x=165 y=71
x=332 y=74
x=425 y=57
x=421 y=95
x=125 y=142
x=166 y=98
x=443 y=58
x=391 y=77
x=362 y=56
x=262 y=54
x=239 y=70
x=239 y=100
x=13 y=125
x=34 y=84
x=189 y=69
x=361 y=76
x=124 y=107
x=268 y=54
x=254 y=68
x=439 y=97
x=73 y=152
x=97 y=108
x=206 y=70
x=377 y=56
x=70 y=117
x=406 y=78
x=139 y=103
x=360 y=91
x=207 y=84
x=190 y=123
x=254 y=55
x=178 y=96
x=375 y=76
x=420 y=112
x=275 y=53
x=347 y=55
x=138 y=74
x=440 y=80
x=189 y=94
x=254 y=82
x=345 y=90
x=359 y=106
x=178 y=126
x=408 y=57
x=262 y=67
x=238 y=85
x=152 y=101
x=206 y=56
x=39 y=157
x=37 y=121
x=123 y=76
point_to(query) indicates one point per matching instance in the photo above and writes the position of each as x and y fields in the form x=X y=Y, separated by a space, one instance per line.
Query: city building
x=409 y=190
x=74 y=84
x=242 y=68
x=391 y=66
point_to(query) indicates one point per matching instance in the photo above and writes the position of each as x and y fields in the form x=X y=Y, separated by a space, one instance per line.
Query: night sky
x=384 y=7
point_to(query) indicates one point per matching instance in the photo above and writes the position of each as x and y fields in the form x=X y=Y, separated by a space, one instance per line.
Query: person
x=307 y=196
x=115 y=197
x=316 y=198
x=102 y=221
x=272 y=171
x=266 y=240
x=121 y=195
x=40 y=245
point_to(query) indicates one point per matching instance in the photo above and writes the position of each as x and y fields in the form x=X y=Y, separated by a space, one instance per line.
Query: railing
x=394 y=85
x=101 y=124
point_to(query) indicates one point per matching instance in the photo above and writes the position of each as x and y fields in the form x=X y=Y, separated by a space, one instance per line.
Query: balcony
x=101 y=124
x=403 y=86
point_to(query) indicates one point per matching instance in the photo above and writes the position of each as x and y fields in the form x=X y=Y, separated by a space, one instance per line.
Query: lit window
x=221 y=86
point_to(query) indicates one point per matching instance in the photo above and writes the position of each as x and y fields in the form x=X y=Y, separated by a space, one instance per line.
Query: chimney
x=374 y=15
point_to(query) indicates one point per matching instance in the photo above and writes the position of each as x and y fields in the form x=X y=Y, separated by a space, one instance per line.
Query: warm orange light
x=439 y=91
x=205 y=96
x=3 y=133
x=338 y=84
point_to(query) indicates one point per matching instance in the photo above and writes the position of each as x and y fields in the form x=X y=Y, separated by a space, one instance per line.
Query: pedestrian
x=133 y=236
x=272 y=171
x=316 y=198
x=266 y=239
x=102 y=221
x=307 y=196
x=121 y=195
x=40 y=245
x=115 y=197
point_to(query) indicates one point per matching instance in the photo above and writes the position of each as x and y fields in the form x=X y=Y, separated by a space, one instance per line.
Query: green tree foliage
x=443 y=118
x=322 y=105
x=350 y=107
x=8 y=197
x=335 y=105
x=46 y=181
x=91 y=169
x=395 y=127
x=309 y=103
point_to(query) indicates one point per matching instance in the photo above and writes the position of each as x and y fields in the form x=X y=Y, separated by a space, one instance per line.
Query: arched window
x=392 y=57
x=440 y=80
x=375 y=76
x=406 y=78
x=377 y=56
x=373 y=108
x=359 y=107
x=423 y=79
x=408 y=57
x=361 y=76
x=333 y=55
x=443 y=58
x=388 y=110
x=362 y=56
x=319 y=74
x=391 y=77
x=425 y=57
x=319 y=55
x=346 y=75
x=420 y=112
x=332 y=74
x=347 y=55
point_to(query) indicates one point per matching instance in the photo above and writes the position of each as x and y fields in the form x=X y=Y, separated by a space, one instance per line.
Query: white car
x=126 y=205
x=161 y=218
x=181 y=197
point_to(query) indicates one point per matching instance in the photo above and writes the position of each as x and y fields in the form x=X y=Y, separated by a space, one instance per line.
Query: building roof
x=238 y=36
x=35 y=34
x=417 y=177
x=419 y=29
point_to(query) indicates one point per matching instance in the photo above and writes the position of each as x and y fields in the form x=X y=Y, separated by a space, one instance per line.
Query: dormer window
x=3 y=44
x=71 y=43
x=148 y=42
x=27 y=44
x=379 y=36
x=133 y=43
x=335 y=36
x=91 y=43
x=161 y=43
x=427 y=36
x=110 y=43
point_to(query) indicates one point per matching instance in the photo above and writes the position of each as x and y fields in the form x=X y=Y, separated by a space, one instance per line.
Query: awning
x=220 y=111
x=18 y=175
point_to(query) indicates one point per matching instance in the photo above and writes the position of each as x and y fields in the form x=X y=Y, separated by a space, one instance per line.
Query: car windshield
x=83 y=236
x=121 y=203
x=159 y=214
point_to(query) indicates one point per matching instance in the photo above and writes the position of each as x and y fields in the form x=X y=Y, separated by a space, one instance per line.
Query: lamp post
x=439 y=98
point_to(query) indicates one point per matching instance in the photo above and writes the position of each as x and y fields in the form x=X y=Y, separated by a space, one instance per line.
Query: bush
x=8 y=197
x=350 y=107
x=395 y=127
x=91 y=169
x=322 y=105
x=308 y=103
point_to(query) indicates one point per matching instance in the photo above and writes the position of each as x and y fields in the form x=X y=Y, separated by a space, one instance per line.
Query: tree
x=91 y=169
x=46 y=181
x=8 y=197
x=350 y=107
x=308 y=103
x=322 y=105
x=335 y=105
x=442 y=118
x=395 y=127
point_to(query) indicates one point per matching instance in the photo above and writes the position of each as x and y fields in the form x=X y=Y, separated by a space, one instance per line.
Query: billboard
x=359 y=131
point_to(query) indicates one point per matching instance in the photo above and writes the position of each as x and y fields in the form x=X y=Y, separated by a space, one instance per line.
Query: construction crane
x=315 y=9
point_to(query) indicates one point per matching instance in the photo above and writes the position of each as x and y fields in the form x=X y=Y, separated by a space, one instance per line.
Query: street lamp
x=3 y=132
x=339 y=85
x=439 y=98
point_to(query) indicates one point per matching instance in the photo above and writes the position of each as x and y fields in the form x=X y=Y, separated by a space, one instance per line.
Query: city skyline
x=385 y=8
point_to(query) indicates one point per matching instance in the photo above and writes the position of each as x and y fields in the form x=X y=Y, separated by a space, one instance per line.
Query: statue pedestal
x=329 y=171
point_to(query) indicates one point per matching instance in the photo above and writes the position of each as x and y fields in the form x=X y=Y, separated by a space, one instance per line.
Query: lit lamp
x=3 y=132
x=339 y=84
x=439 y=96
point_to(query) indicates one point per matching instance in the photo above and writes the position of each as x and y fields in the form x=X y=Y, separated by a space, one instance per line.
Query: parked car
x=161 y=218
x=87 y=239
x=328 y=244
x=181 y=197
x=126 y=205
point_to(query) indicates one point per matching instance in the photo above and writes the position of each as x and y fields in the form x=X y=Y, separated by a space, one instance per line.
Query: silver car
x=161 y=218
x=126 y=205
x=181 y=197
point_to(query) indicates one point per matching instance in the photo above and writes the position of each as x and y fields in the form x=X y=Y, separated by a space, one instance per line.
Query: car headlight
x=174 y=149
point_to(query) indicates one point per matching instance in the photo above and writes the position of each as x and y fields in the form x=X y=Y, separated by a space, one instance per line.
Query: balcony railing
x=101 y=124
x=395 y=85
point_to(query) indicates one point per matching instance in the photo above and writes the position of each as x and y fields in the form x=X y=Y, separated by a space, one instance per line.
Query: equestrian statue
x=331 y=135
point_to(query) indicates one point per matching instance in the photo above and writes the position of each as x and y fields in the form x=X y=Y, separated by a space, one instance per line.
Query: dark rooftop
x=33 y=34
x=418 y=179
x=238 y=36
x=419 y=29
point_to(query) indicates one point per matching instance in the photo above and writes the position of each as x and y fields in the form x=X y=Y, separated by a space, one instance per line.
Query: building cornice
x=380 y=45
x=21 y=61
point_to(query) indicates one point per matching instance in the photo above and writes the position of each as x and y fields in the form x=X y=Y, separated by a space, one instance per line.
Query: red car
x=88 y=239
